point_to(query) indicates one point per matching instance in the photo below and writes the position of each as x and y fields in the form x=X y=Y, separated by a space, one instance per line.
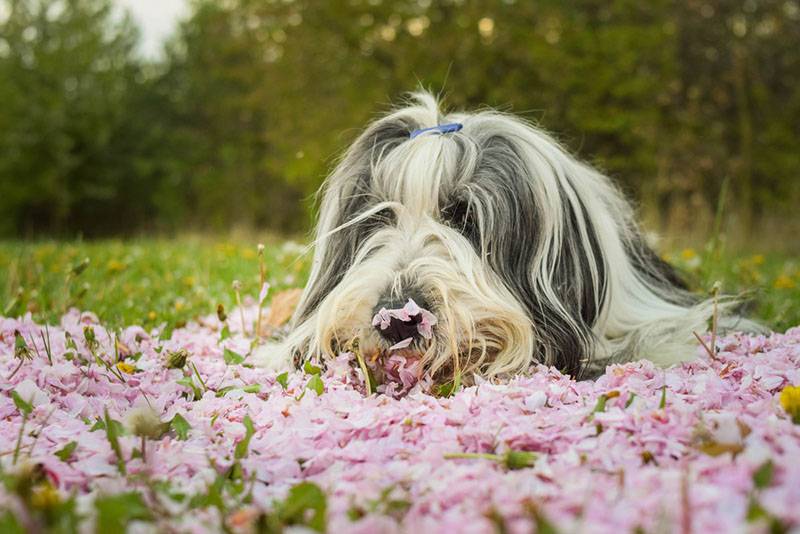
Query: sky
x=157 y=20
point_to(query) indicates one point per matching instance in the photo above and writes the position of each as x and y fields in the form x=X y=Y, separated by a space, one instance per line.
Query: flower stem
x=19 y=439
x=473 y=456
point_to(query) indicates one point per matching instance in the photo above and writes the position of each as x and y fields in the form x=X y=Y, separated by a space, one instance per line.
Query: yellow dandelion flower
x=126 y=368
x=688 y=253
x=179 y=305
x=790 y=400
x=758 y=259
x=151 y=316
x=115 y=266
x=784 y=282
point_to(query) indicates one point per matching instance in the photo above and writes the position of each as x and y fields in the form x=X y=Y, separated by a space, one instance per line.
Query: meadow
x=135 y=417
x=167 y=282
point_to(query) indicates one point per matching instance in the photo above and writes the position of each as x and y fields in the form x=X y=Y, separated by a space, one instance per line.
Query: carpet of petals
x=704 y=447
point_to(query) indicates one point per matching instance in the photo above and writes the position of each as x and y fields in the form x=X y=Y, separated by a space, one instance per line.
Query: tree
x=65 y=69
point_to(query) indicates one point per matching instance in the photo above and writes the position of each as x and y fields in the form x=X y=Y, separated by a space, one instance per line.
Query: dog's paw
x=272 y=356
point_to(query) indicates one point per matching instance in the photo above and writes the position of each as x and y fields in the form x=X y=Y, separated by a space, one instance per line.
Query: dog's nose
x=398 y=329
x=399 y=319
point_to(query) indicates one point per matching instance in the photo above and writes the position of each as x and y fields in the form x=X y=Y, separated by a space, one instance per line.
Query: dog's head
x=493 y=228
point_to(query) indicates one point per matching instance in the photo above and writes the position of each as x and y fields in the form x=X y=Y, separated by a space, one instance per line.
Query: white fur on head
x=523 y=253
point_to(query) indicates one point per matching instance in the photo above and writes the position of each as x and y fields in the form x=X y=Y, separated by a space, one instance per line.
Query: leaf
x=543 y=525
x=189 y=383
x=311 y=369
x=232 y=358
x=89 y=336
x=223 y=390
x=446 y=389
x=213 y=495
x=663 y=403
x=22 y=405
x=243 y=446
x=113 y=430
x=755 y=511
x=316 y=385
x=65 y=453
x=70 y=341
x=303 y=498
x=114 y=512
x=763 y=475
x=180 y=426
x=9 y=524
x=252 y=388
x=225 y=333
x=283 y=380
x=282 y=307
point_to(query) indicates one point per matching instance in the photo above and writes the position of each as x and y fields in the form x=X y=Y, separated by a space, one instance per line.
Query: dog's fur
x=522 y=252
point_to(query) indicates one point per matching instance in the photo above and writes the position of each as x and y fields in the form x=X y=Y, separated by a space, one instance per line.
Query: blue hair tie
x=442 y=129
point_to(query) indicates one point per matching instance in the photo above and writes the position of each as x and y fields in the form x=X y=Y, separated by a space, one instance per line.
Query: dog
x=518 y=253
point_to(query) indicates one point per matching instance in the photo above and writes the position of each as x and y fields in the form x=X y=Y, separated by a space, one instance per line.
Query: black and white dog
x=522 y=254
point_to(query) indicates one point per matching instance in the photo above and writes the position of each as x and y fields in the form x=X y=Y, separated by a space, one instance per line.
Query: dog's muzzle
x=400 y=328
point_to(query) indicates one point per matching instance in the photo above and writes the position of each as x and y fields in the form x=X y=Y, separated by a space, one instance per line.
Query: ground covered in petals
x=105 y=429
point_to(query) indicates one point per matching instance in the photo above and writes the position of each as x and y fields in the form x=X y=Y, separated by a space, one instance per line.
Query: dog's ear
x=347 y=193
x=534 y=231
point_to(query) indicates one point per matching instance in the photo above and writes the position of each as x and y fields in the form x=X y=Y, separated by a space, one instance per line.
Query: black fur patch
x=506 y=207
x=344 y=244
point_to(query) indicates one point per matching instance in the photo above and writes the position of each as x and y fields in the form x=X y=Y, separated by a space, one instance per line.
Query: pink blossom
x=386 y=461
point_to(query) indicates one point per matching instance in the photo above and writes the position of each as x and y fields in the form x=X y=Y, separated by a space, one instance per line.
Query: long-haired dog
x=521 y=253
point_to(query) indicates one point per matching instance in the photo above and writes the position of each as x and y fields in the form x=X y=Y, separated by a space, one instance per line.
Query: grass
x=768 y=282
x=151 y=282
x=148 y=282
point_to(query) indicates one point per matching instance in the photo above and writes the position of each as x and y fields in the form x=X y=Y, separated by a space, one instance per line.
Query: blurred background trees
x=239 y=120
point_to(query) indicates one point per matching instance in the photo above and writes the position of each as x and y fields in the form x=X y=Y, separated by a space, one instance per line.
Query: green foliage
x=385 y=504
x=237 y=123
x=9 y=524
x=180 y=426
x=316 y=385
x=762 y=477
x=232 y=358
x=65 y=453
x=311 y=369
x=146 y=282
x=24 y=407
x=114 y=512
x=283 y=379
x=305 y=505
x=114 y=430
x=161 y=282
x=188 y=382
x=65 y=78
x=242 y=446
